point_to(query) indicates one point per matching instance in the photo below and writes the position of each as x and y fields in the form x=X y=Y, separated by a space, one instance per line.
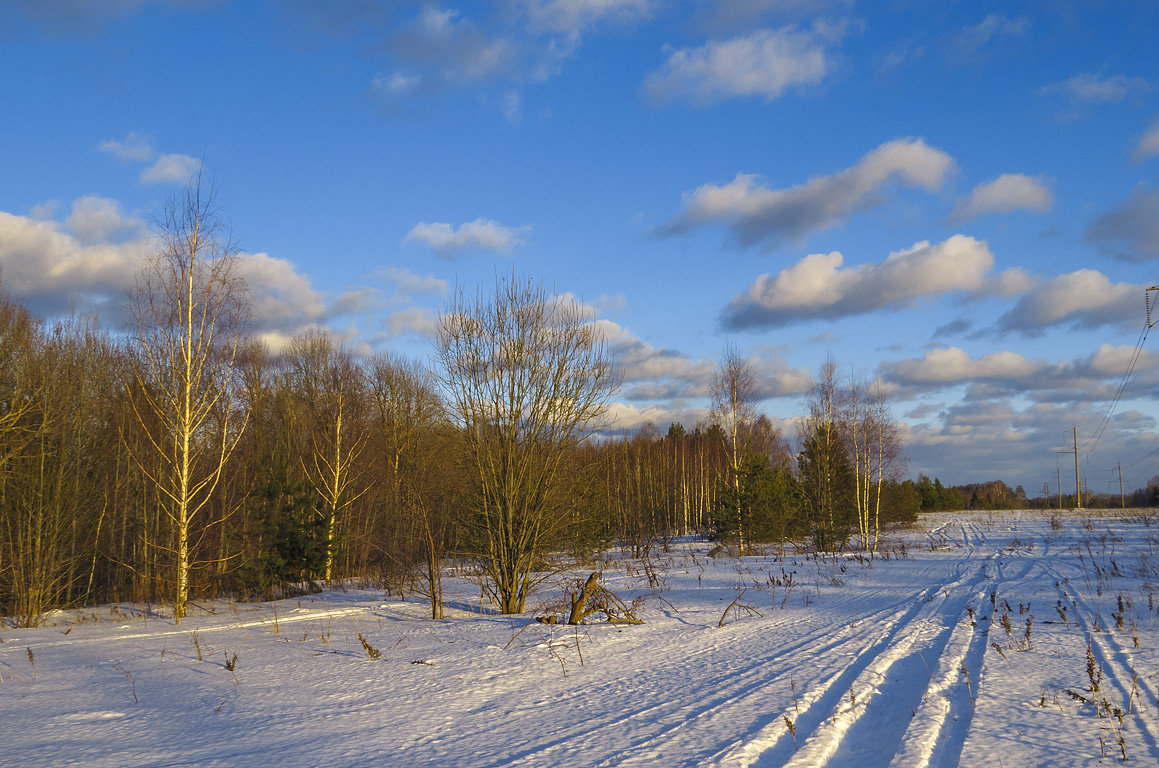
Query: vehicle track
x=827 y=714
x=673 y=724
x=866 y=730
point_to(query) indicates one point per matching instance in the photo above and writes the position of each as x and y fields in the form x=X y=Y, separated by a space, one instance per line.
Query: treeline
x=183 y=460
x=344 y=467
x=933 y=496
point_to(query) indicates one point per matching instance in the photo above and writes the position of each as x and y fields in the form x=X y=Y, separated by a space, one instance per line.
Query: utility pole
x=1122 y=497
x=1078 y=488
x=1058 y=467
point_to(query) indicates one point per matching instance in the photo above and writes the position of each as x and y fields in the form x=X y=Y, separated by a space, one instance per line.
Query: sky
x=960 y=199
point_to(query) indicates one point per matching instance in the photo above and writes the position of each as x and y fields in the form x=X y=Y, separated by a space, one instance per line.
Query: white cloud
x=818 y=286
x=570 y=17
x=640 y=361
x=954 y=366
x=756 y=214
x=1009 y=192
x=55 y=271
x=171 y=168
x=1089 y=88
x=396 y=83
x=483 y=234
x=1085 y=298
x=133 y=148
x=622 y=418
x=407 y=284
x=99 y=219
x=972 y=39
x=1148 y=145
x=746 y=14
x=416 y=321
x=282 y=298
x=89 y=263
x=1090 y=378
x=451 y=50
x=764 y=63
x=650 y=373
x=1134 y=223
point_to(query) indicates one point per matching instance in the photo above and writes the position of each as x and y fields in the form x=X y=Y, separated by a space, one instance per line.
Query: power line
x=1138 y=351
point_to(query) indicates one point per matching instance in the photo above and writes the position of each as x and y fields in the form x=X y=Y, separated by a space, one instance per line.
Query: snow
x=885 y=662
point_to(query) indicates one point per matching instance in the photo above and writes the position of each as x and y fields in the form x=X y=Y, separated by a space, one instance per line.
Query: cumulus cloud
x=970 y=40
x=482 y=234
x=639 y=360
x=756 y=214
x=172 y=168
x=993 y=439
x=943 y=367
x=1009 y=192
x=1133 y=223
x=650 y=373
x=98 y=219
x=1148 y=145
x=1090 y=378
x=624 y=418
x=1089 y=88
x=56 y=271
x=764 y=63
x=281 y=297
x=818 y=286
x=89 y=262
x=440 y=49
x=1085 y=298
x=133 y=148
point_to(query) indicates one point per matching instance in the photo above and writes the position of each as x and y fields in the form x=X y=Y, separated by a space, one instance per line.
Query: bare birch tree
x=526 y=377
x=190 y=306
x=734 y=390
x=329 y=388
x=872 y=434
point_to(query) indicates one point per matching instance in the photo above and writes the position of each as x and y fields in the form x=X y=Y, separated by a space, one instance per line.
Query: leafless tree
x=407 y=413
x=328 y=392
x=526 y=376
x=734 y=391
x=824 y=466
x=191 y=310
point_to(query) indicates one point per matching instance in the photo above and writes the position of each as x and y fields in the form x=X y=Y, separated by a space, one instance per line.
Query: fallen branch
x=738 y=606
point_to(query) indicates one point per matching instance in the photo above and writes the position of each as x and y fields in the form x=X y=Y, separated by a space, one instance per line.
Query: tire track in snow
x=826 y=716
x=941 y=723
x=677 y=711
x=865 y=727
x=683 y=715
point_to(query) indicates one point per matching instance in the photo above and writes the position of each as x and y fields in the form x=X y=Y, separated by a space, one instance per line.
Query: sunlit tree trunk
x=190 y=309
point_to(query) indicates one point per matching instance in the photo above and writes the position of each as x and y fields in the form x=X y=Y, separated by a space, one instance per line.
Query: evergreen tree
x=826 y=477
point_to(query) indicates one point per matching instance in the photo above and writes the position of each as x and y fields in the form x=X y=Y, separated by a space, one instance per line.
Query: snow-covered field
x=898 y=661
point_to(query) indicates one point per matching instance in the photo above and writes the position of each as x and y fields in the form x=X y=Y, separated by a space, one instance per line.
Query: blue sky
x=957 y=197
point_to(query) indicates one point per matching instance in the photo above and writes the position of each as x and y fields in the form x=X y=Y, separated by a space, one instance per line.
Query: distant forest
x=995 y=494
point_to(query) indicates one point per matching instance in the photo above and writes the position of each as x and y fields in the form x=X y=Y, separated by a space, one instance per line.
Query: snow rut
x=852 y=716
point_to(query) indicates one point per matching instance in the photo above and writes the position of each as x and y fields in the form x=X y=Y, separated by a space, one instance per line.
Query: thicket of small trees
x=185 y=460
